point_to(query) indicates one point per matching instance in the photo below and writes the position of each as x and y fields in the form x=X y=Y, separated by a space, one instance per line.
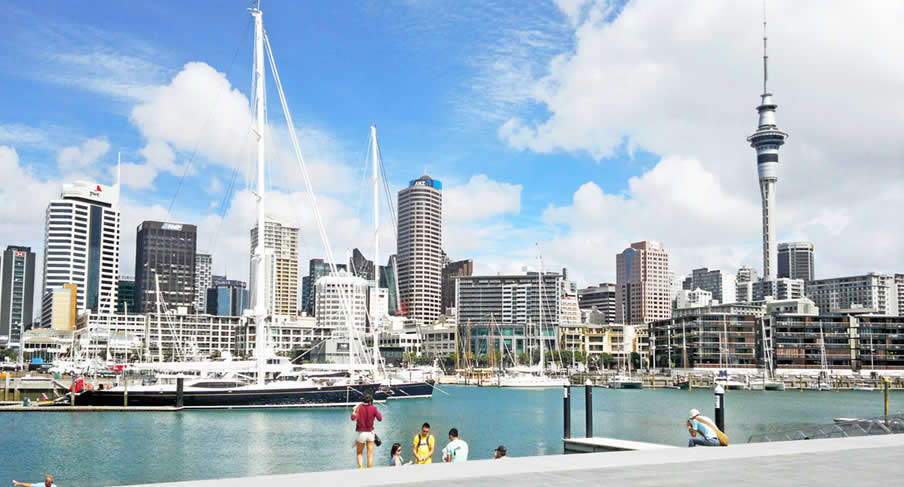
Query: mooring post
x=6 y=387
x=720 y=407
x=653 y=379
x=179 y=394
x=588 y=408
x=690 y=383
x=886 y=398
x=566 y=411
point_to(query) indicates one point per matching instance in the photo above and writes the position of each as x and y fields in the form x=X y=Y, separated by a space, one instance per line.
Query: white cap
x=693 y=413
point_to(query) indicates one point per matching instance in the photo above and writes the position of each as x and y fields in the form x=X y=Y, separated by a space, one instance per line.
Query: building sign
x=172 y=226
x=20 y=254
x=433 y=183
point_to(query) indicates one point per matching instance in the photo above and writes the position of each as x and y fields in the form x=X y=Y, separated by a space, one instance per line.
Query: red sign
x=20 y=254
x=98 y=188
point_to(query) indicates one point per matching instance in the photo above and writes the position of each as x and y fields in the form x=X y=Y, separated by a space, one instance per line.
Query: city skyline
x=614 y=180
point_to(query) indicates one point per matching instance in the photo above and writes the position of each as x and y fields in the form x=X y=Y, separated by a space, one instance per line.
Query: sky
x=569 y=128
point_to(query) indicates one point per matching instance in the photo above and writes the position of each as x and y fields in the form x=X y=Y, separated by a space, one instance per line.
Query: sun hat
x=692 y=413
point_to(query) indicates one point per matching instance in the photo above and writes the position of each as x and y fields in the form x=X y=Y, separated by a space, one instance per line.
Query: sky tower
x=767 y=140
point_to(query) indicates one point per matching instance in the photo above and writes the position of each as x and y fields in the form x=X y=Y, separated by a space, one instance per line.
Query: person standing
x=456 y=450
x=424 y=445
x=698 y=423
x=364 y=415
x=48 y=482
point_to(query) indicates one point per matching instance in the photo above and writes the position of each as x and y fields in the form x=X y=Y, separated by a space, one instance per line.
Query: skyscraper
x=125 y=299
x=601 y=297
x=767 y=140
x=17 y=288
x=203 y=280
x=359 y=266
x=643 y=284
x=317 y=268
x=420 y=240
x=281 y=252
x=81 y=245
x=721 y=285
x=451 y=270
x=795 y=260
x=389 y=280
x=165 y=250
x=226 y=297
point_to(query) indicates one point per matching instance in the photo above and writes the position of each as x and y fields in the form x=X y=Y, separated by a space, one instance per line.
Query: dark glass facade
x=167 y=251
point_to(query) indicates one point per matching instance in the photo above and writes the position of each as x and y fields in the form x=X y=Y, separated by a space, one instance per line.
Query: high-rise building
x=693 y=298
x=746 y=274
x=721 y=285
x=59 y=308
x=317 y=268
x=899 y=286
x=360 y=266
x=125 y=297
x=601 y=297
x=281 y=253
x=226 y=297
x=643 y=284
x=333 y=293
x=420 y=241
x=17 y=288
x=451 y=270
x=203 y=279
x=795 y=260
x=767 y=140
x=81 y=245
x=389 y=281
x=873 y=291
x=165 y=252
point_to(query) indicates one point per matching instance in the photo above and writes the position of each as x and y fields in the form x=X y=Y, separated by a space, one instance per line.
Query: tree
x=523 y=358
x=635 y=360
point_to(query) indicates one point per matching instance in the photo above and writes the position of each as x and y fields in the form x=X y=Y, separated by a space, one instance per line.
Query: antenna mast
x=765 y=55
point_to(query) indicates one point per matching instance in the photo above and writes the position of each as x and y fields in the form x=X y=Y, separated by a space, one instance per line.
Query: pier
x=873 y=460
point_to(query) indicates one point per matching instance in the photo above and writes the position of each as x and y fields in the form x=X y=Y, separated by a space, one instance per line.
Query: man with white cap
x=698 y=423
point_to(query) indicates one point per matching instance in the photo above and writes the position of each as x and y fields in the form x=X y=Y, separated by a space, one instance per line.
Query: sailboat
x=530 y=377
x=235 y=390
x=624 y=380
x=765 y=383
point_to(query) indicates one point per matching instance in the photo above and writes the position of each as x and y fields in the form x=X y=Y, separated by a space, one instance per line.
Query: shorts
x=365 y=437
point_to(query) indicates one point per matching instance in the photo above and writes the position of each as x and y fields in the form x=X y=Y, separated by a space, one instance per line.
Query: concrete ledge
x=842 y=461
x=600 y=444
x=85 y=409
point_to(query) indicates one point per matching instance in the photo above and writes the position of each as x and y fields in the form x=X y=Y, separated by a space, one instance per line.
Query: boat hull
x=327 y=396
x=628 y=385
x=409 y=390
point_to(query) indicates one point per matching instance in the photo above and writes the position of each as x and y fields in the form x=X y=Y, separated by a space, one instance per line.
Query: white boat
x=766 y=385
x=864 y=387
x=624 y=382
x=730 y=384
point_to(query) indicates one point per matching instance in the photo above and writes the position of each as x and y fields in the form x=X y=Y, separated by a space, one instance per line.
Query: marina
x=207 y=444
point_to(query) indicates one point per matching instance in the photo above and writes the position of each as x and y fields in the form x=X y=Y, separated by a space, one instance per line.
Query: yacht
x=622 y=381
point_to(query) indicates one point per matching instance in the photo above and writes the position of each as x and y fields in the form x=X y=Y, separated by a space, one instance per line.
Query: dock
x=18 y=407
x=869 y=460
x=599 y=444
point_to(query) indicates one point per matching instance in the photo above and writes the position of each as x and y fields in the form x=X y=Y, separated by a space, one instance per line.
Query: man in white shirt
x=48 y=482
x=456 y=450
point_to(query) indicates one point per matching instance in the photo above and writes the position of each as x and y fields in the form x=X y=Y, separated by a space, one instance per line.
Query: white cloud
x=679 y=78
x=479 y=199
x=82 y=157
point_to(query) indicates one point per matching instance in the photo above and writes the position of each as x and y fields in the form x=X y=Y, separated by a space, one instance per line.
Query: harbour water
x=101 y=449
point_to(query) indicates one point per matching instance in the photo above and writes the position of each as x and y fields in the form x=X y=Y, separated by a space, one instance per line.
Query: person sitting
x=395 y=456
x=48 y=482
x=709 y=433
x=500 y=452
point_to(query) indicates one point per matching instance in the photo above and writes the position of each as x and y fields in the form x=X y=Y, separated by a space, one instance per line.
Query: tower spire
x=765 y=54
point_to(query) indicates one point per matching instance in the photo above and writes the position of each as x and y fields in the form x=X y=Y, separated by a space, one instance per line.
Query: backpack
x=722 y=438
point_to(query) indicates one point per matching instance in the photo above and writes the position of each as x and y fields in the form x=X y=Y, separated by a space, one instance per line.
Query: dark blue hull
x=326 y=396
x=409 y=390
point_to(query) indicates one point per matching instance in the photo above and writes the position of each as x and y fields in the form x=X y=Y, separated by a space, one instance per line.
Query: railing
x=881 y=425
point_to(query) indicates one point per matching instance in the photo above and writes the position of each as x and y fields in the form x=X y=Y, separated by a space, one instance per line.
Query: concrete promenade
x=862 y=461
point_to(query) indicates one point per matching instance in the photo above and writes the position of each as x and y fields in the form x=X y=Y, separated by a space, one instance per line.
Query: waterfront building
x=81 y=245
x=802 y=341
x=125 y=294
x=338 y=298
x=420 y=240
x=746 y=274
x=754 y=309
x=511 y=305
x=705 y=340
x=165 y=252
x=451 y=270
x=288 y=334
x=767 y=140
x=721 y=285
x=438 y=339
x=872 y=291
x=203 y=279
x=643 y=284
x=569 y=312
x=601 y=297
x=281 y=254
x=226 y=297
x=618 y=341
x=778 y=289
x=17 y=287
x=59 y=307
x=317 y=268
x=693 y=298
x=795 y=261
x=899 y=287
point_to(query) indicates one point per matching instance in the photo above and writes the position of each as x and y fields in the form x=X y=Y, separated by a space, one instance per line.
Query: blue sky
x=587 y=124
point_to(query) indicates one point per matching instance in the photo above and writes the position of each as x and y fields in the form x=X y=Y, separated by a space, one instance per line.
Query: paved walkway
x=863 y=461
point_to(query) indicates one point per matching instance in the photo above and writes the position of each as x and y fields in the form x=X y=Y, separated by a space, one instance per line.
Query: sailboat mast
x=376 y=179
x=260 y=308
x=540 y=294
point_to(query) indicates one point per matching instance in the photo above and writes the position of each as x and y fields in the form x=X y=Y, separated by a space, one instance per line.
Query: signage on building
x=171 y=226
x=433 y=183
x=20 y=254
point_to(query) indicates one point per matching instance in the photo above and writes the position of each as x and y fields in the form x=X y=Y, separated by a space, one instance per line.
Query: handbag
x=377 y=440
